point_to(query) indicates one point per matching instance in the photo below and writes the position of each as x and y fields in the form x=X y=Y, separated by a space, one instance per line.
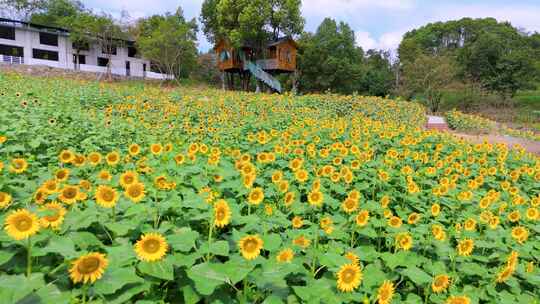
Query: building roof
x=283 y=39
x=34 y=25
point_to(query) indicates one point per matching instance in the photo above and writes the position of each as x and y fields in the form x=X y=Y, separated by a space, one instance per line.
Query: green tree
x=378 y=77
x=170 y=42
x=428 y=77
x=108 y=35
x=329 y=60
x=54 y=12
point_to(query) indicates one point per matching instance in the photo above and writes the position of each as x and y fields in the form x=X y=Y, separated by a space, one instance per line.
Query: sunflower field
x=129 y=193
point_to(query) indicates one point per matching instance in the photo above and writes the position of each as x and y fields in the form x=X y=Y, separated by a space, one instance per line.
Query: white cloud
x=387 y=41
x=336 y=7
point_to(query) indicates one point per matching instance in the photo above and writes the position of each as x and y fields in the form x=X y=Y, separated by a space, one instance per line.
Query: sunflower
x=104 y=175
x=88 y=268
x=135 y=192
x=413 y=218
x=349 y=277
x=127 y=178
x=289 y=198
x=21 y=224
x=440 y=283
x=352 y=257
x=40 y=196
x=134 y=150
x=395 y=222
x=277 y=176
x=94 y=158
x=301 y=175
x=66 y=156
x=458 y=300
x=297 y=222
x=18 y=165
x=179 y=159
x=61 y=175
x=285 y=256
x=470 y=225
x=156 y=149
x=404 y=241
x=69 y=194
x=256 y=196
x=465 y=247
x=302 y=241
x=79 y=160
x=385 y=293
x=520 y=234
x=151 y=247
x=50 y=186
x=435 y=209
x=106 y=196
x=222 y=213
x=250 y=246
x=315 y=198
x=349 y=205
x=54 y=217
x=5 y=199
x=362 y=218
x=112 y=158
x=504 y=274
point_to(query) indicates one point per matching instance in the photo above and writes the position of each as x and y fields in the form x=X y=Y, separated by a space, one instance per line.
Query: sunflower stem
x=29 y=258
x=210 y=230
x=114 y=213
x=313 y=265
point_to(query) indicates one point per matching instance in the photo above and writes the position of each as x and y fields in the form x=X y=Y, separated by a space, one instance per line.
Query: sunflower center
x=348 y=275
x=70 y=193
x=52 y=217
x=151 y=246
x=251 y=245
x=439 y=282
x=108 y=195
x=23 y=223
x=220 y=214
x=88 y=265
x=134 y=191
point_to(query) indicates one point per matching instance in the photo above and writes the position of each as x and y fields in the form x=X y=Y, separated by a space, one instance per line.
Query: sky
x=378 y=24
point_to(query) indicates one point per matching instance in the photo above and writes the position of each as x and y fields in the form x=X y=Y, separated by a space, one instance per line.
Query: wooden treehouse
x=277 y=57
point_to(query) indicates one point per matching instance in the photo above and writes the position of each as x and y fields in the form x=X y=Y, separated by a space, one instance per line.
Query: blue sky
x=377 y=23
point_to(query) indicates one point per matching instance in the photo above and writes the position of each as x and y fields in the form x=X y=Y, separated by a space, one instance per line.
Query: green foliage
x=169 y=41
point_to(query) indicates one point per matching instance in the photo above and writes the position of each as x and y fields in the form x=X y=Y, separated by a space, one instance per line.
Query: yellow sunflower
x=5 y=199
x=458 y=300
x=62 y=175
x=88 y=268
x=18 y=165
x=134 y=150
x=352 y=257
x=21 y=224
x=285 y=256
x=50 y=186
x=222 y=213
x=256 y=196
x=54 y=217
x=297 y=222
x=156 y=149
x=404 y=241
x=465 y=247
x=440 y=283
x=349 y=277
x=250 y=246
x=104 y=175
x=520 y=234
x=385 y=293
x=151 y=247
x=106 y=196
x=315 y=198
x=349 y=205
x=69 y=194
x=112 y=158
x=94 y=158
x=135 y=192
x=127 y=178
x=302 y=241
x=362 y=218
x=395 y=222
x=66 y=156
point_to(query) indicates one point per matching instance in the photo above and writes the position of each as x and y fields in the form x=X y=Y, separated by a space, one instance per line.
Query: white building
x=32 y=44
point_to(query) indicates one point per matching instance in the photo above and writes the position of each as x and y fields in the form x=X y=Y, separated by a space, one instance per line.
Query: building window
x=132 y=51
x=81 y=46
x=45 y=55
x=48 y=39
x=82 y=59
x=8 y=50
x=7 y=32
x=103 y=62
x=109 y=50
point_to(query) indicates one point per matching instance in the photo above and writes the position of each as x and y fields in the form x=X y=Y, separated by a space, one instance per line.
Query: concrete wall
x=28 y=38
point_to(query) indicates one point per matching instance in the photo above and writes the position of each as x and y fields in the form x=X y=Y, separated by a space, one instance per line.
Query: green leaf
x=5 y=256
x=190 y=295
x=160 y=269
x=272 y=242
x=183 y=239
x=63 y=246
x=417 y=275
x=127 y=292
x=206 y=277
x=84 y=239
x=220 y=248
x=121 y=255
x=400 y=258
x=116 y=278
x=120 y=228
x=373 y=275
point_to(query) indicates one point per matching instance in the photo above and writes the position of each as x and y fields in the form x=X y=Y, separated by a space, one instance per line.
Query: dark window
x=154 y=67
x=48 y=39
x=81 y=46
x=9 y=50
x=82 y=59
x=7 y=32
x=45 y=55
x=128 y=68
x=132 y=51
x=102 y=61
x=111 y=50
